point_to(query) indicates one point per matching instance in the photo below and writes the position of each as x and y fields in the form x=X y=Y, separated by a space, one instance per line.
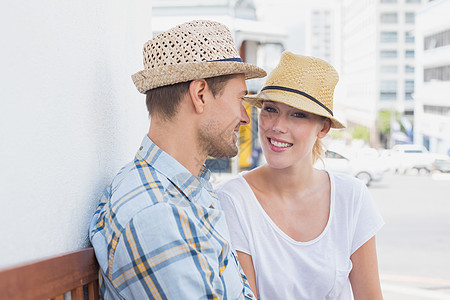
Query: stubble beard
x=215 y=142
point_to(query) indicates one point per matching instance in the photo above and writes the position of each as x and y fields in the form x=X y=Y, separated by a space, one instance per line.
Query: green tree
x=361 y=133
x=384 y=124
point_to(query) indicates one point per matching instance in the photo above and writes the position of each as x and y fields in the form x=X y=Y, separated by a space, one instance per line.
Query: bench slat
x=93 y=290
x=77 y=294
x=51 y=277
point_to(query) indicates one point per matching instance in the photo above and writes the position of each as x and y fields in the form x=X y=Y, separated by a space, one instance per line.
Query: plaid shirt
x=159 y=233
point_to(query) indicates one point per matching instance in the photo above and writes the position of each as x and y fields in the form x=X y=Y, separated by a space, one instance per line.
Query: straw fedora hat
x=304 y=82
x=193 y=50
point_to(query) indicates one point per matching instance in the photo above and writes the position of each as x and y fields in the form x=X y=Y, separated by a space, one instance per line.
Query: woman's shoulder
x=235 y=191
x=346 y=180
x=345 y=184
x=232 y=185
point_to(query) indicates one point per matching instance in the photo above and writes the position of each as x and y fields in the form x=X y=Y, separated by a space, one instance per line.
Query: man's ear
x=198 y=90
x=326 y=126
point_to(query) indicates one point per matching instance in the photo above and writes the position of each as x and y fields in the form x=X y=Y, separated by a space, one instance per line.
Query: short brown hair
x=164 y=101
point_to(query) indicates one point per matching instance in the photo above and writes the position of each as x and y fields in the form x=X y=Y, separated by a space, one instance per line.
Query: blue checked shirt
x=159 y=233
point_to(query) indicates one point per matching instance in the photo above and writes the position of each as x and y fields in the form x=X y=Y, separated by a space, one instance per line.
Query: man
x=158 y=232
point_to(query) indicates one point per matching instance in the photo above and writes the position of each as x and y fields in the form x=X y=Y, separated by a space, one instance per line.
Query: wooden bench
x=74 y=272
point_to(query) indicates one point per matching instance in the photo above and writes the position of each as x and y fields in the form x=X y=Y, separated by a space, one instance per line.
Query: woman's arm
x=364 y=276
x=246 y=262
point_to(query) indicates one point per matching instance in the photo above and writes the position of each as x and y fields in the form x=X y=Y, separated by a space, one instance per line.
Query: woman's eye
x=299 y=115
x=269 y=109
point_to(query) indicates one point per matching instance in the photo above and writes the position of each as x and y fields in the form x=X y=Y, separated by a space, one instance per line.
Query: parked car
x=442 y=165
x=363 y=167
x=410 y=156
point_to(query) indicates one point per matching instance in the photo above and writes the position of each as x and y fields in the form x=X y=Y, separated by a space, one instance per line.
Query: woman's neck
x=288 y=183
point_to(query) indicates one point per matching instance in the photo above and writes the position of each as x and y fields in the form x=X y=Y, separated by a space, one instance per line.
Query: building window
x=410 y=18
x=409 y=37
x=388 y=95
x=437 y=40
x=388 y=69
x=388 y=90
x=409 y=89
x=437 y=110
x=388 y=1
x=388 y=18
x=409 y=69
x=409 y=53
x=436 y=74
x=388 y=36
x=388 y=53
x=413 y=1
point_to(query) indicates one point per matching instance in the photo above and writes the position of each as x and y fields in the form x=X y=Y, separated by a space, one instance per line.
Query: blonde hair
x=318 y=150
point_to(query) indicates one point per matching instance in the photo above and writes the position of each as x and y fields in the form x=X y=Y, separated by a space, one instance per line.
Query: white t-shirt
x=287 y=269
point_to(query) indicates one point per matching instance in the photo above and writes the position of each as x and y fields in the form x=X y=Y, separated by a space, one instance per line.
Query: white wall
x=70 y=116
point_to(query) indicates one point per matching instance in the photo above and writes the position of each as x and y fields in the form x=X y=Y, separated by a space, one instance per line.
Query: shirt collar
x=174 y=171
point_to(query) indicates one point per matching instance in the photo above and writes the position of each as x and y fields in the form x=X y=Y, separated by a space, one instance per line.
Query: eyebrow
x=291 y=107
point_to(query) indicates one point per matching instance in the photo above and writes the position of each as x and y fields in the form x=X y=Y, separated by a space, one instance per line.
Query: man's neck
x=178 y=139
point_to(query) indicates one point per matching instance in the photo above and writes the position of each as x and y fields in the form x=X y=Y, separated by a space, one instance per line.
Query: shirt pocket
x=340 y=281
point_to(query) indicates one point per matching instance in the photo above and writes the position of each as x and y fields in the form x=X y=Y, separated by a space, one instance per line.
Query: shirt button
x=250 y=295
x=141 y=148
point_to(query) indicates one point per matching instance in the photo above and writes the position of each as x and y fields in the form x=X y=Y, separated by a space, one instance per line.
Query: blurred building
x=377 y=61
x=432 y=96
x=319 y=33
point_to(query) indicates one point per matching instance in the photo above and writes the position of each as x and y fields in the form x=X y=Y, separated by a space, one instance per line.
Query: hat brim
x=171 y=74
x=294 y=100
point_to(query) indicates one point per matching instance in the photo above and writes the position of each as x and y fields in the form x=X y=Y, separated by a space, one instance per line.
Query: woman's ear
x=197 y=92
x=326 y=126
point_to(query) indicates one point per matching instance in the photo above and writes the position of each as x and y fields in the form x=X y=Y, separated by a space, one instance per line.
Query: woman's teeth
x=280 y=144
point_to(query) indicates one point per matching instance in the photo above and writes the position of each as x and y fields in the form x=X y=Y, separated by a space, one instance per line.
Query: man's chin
x=231 y=152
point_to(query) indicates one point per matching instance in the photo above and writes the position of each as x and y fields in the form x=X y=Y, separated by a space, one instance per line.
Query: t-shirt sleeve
x=235 y=221
x=368 y=220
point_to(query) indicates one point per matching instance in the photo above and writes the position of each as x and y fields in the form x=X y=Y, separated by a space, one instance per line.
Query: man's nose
x=244 y=116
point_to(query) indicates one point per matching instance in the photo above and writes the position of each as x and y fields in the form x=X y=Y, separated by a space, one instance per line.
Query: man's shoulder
x=136 y=187
x=137 y=177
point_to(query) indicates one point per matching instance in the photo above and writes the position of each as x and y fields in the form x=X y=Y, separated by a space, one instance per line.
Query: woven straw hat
x=306 y=83
x=193 y=50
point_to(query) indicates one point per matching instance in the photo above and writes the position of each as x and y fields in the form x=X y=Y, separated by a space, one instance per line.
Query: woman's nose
x=279 y=124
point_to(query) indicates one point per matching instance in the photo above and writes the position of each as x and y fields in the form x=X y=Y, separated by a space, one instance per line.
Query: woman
x=300 y=232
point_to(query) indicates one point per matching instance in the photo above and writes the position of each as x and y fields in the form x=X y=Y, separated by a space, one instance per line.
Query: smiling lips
x=278 y=146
